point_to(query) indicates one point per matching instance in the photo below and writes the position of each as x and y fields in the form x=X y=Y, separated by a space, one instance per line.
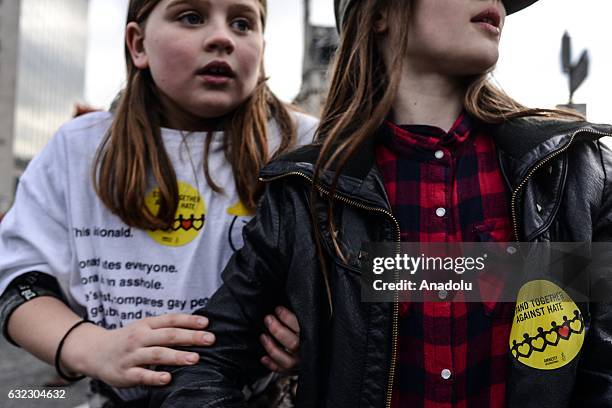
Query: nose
x=219 y=39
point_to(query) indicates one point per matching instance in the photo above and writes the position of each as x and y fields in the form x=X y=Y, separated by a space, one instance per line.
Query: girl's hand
x=284 y=348
x=122 y=357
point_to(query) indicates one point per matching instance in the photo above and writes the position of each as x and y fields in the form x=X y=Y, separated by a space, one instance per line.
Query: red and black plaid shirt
x=447 y=187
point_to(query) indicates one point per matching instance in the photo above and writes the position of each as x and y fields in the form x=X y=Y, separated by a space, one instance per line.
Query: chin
x=478 y=64
x=214 y=110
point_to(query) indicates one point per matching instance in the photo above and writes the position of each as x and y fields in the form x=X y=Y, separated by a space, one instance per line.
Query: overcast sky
x=529 y=67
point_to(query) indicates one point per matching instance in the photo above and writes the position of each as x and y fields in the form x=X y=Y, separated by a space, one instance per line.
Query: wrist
x=79 y=349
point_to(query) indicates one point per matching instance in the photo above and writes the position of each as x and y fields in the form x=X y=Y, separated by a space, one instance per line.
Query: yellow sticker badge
x=548 y=328
x=237 y=210
x=189 y=219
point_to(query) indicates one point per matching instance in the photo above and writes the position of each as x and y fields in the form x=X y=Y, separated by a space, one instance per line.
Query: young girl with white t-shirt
x=122 y=224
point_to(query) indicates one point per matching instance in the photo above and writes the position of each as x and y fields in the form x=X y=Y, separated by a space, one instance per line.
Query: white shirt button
x=511 y=250
x=446 y=373
x=442 y=294
x=439 y=154
x=441 y=212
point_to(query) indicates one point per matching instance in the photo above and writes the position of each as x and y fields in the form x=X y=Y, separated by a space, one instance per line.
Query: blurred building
x=320 y=43
x=9 y=27
x=42 y=75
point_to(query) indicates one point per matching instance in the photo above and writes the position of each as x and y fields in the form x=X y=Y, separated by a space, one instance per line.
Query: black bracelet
x=58 y=354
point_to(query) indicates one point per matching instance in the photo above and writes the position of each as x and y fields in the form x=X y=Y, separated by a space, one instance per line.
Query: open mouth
x=490 y=18
x=217 y=69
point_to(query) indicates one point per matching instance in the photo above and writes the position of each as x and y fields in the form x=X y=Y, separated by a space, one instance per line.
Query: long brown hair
x=133 y=148
x=363 y=89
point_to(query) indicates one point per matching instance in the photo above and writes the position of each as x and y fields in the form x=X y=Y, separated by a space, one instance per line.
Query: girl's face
x=204 y=55
x=454 y=37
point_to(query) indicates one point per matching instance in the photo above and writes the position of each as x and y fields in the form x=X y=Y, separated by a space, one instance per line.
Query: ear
x=381 y=23
x=134 y=40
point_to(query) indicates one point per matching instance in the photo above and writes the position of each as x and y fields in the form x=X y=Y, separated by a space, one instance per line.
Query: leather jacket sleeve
x=594 y=378
x=253 y=284
x=23 y=289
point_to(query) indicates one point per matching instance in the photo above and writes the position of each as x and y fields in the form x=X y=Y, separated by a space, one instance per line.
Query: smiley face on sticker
x=548 y=329
x=188 y=221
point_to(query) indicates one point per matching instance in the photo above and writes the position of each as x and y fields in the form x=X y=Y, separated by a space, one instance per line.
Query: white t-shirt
x=113 y=273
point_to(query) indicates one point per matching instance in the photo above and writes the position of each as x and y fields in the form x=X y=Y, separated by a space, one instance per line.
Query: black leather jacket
x=558 y=175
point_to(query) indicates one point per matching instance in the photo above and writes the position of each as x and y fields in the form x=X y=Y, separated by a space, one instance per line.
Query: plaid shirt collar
x=408 y=139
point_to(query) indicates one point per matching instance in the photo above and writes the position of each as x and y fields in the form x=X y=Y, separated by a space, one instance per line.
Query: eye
x=241 y=24
x=191 y=18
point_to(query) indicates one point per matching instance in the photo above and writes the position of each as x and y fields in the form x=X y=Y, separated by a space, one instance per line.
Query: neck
x=175 y=117
x=428 y=99
x=199 y=125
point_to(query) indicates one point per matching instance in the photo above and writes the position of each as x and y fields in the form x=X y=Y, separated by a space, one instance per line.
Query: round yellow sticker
x=189 y=219
x=548 y=328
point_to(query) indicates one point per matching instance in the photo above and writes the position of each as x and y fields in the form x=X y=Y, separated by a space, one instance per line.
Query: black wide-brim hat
x=341 y=6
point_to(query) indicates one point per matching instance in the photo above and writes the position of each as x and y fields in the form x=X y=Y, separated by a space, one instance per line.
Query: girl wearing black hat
x=415 y=145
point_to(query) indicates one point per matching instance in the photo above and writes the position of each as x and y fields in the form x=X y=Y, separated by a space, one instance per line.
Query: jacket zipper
x=535 y=168
x=354 y=203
